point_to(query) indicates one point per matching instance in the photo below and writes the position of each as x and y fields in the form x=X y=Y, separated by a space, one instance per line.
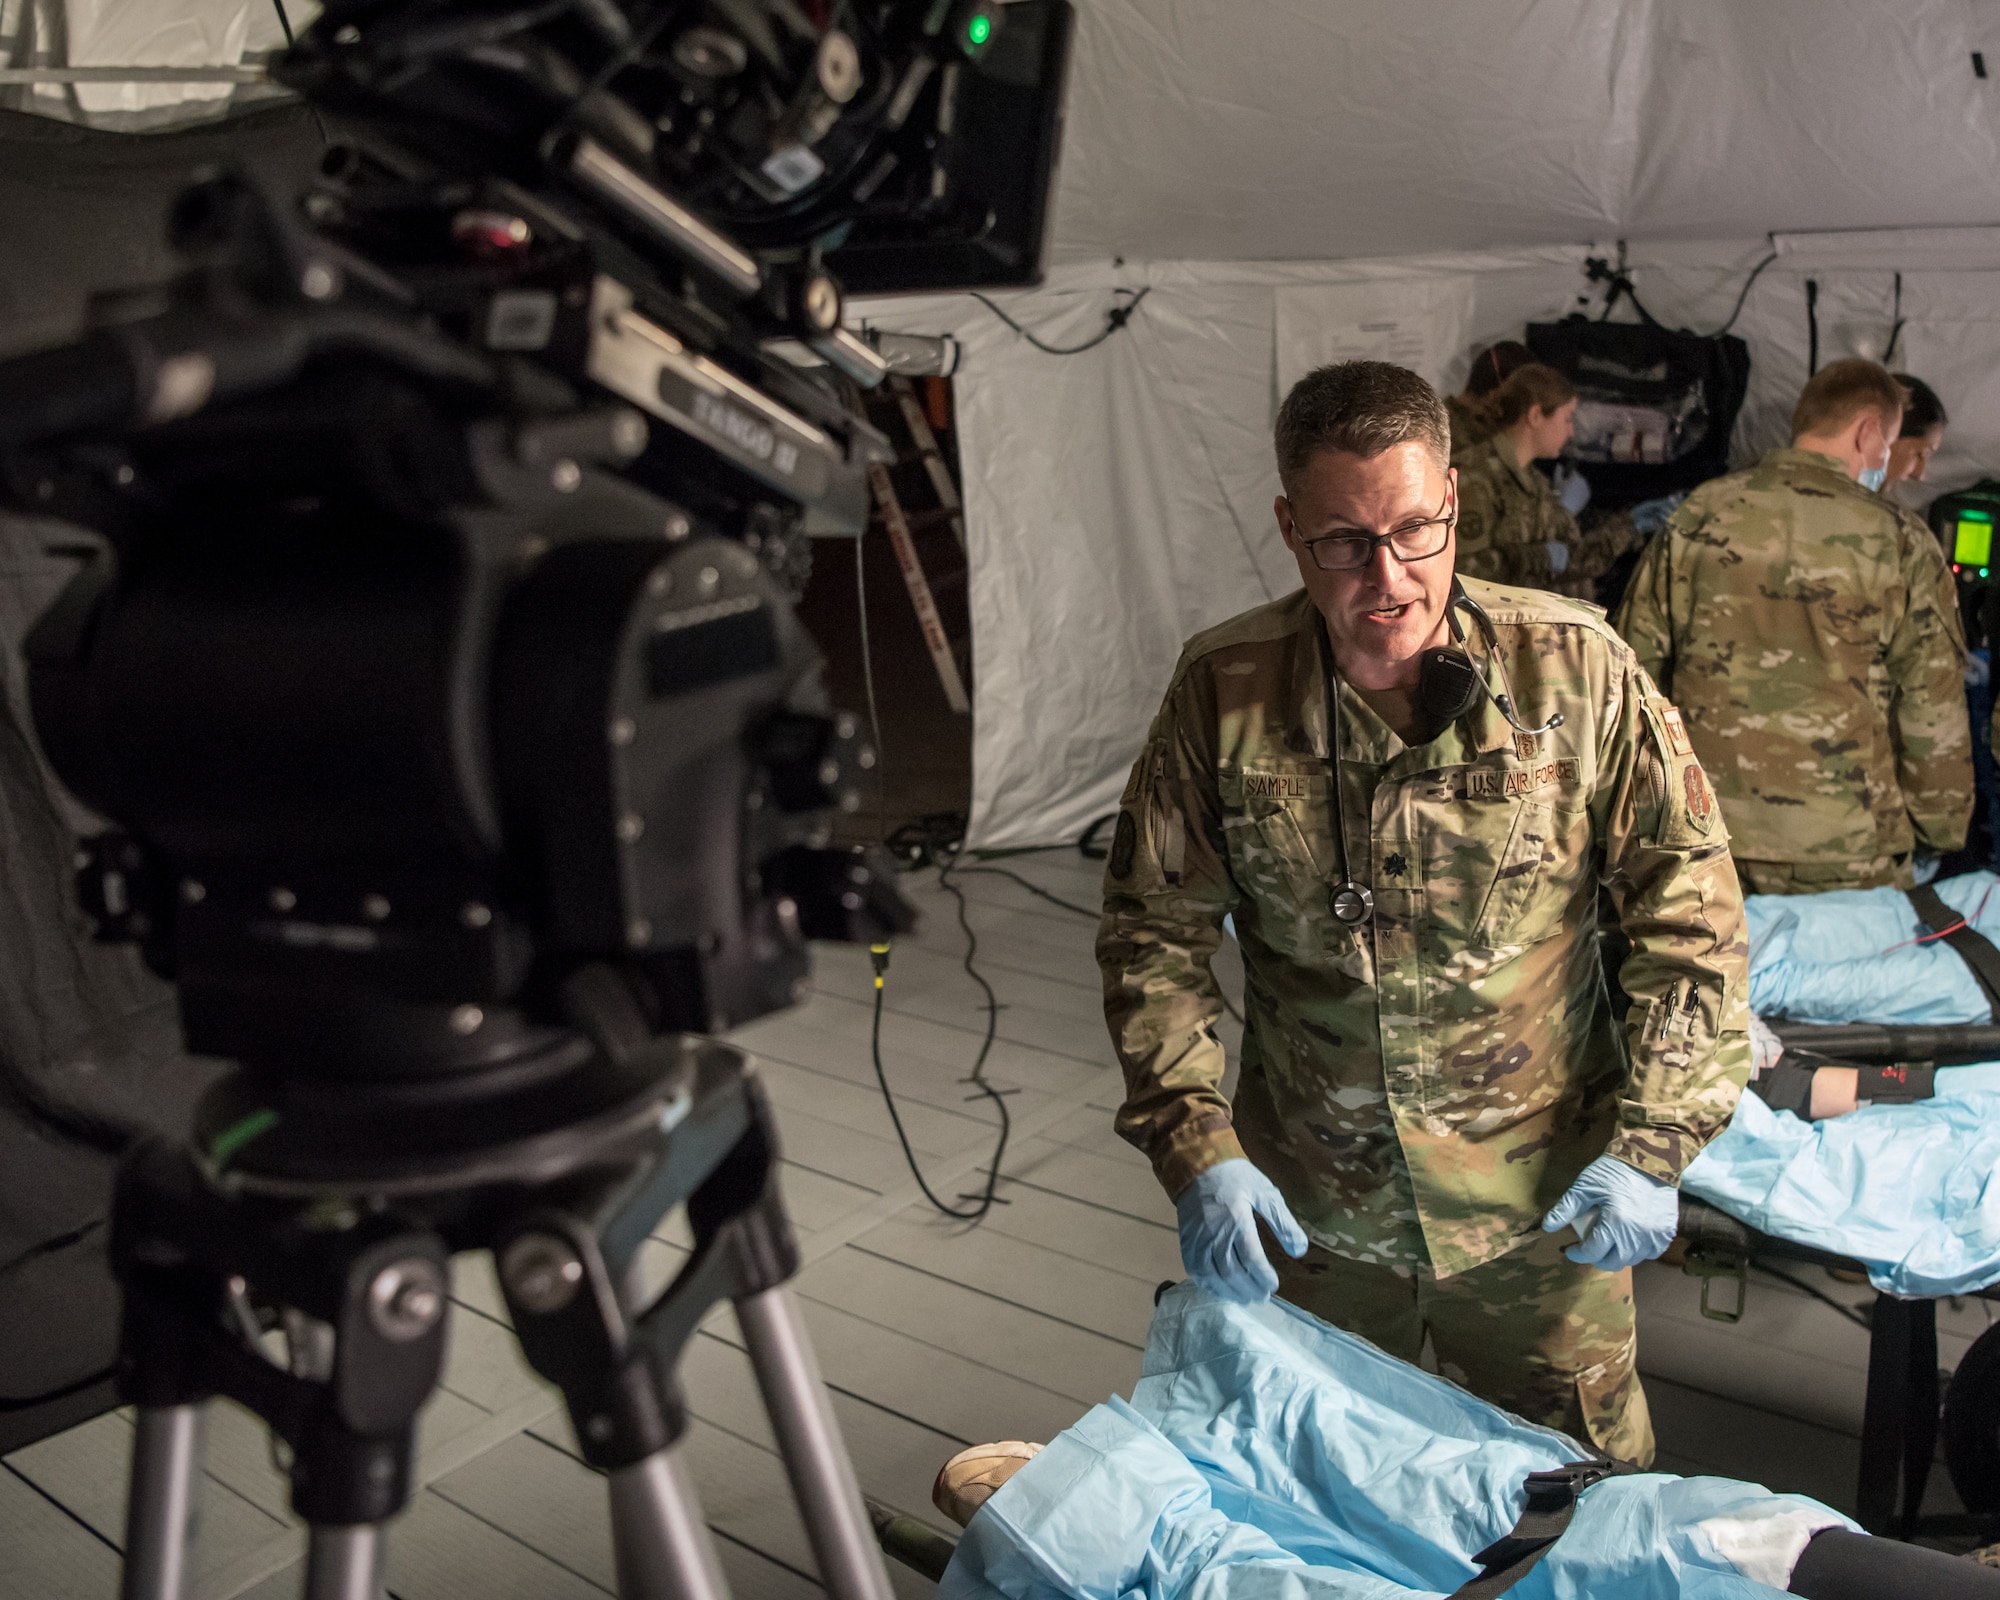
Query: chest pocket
x=1280 y=853
x=1538 y=871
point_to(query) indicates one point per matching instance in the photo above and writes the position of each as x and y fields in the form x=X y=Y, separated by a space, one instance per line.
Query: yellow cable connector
x=879 y=954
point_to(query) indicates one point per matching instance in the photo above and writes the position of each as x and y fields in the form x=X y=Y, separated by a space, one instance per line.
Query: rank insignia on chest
x=1677 y=733
x=1395 y=866
x=1700 y=803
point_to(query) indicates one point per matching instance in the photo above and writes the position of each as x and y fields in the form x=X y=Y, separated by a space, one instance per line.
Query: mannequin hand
x=1219 y=1247
x=1558 y=557
x=1623 y=1216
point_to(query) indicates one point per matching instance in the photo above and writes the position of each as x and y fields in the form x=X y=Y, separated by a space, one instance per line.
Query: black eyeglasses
x=1413 y=541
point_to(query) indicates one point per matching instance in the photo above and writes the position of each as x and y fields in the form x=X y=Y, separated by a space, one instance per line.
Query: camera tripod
x=333 y=1210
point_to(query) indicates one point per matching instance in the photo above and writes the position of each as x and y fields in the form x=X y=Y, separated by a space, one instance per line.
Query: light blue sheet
x=1912 y=1192
x=1267 y=1456
x=1908 y=1190
x=1847 y=956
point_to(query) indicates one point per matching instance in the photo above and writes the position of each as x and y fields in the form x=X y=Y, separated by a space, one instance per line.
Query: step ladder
x=925 y=520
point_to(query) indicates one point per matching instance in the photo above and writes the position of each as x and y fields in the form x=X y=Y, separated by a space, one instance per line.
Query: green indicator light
x=981 y=30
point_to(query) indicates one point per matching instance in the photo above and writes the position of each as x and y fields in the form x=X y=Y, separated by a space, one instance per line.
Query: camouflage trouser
x=1532 y=1332
x=1816 y=877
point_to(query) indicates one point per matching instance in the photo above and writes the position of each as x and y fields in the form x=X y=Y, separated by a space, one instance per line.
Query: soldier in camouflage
x=1511 y=526
x=1471 y=424
x=1809 y=630
x=1471 y=417
x=1424 y=1086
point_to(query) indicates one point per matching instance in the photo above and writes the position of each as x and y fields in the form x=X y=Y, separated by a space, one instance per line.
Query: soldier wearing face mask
x=1922 y=436
x=1809 y=631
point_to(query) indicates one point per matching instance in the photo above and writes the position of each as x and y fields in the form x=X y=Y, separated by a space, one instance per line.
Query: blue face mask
x=1872 y=478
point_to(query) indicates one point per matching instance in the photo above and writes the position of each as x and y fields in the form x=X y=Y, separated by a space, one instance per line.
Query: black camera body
x=435 y=659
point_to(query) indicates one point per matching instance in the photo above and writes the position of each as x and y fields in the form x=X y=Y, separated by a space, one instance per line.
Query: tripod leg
x=344 y=1562
x=662 y=1546
x=161 y=1507
x=816 y=1460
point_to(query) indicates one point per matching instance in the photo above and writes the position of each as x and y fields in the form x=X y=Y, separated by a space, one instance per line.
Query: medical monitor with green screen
x=1972 y=544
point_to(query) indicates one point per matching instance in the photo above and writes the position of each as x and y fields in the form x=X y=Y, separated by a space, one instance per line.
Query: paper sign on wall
x=1419 y=323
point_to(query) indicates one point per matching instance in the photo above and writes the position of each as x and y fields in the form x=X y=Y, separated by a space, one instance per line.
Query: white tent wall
x=1120 y=500
x=1301 y=130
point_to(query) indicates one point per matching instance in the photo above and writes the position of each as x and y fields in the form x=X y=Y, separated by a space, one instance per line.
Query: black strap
x=1552 y=1498
x=1973 y=948
x=1786 y=1087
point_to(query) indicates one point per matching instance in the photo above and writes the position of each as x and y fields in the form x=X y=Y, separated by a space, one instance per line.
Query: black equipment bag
x=1656 y=406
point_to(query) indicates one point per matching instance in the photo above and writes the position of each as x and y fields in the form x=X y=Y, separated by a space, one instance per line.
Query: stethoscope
x=1448 y=685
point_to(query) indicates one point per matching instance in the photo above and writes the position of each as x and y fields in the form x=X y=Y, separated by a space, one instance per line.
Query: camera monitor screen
x=1003 y=111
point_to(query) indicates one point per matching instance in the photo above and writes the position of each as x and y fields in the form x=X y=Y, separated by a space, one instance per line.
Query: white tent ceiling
x=1330 y=129
x=1262 y=130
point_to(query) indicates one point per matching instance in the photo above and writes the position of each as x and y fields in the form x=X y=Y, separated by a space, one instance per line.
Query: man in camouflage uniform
x=1423 y=1087
x=1810 y=632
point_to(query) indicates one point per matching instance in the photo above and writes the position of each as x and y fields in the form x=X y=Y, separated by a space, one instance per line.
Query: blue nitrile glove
x=1650 y=516
x=1572 y=489
x=1558 y=557
x=1623 y=1216
x=1219 y=1246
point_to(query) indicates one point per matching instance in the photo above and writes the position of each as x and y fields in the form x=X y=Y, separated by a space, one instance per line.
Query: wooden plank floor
x=932 y=1335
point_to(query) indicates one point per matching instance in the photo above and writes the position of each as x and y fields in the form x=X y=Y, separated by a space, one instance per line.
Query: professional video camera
x=434 y=660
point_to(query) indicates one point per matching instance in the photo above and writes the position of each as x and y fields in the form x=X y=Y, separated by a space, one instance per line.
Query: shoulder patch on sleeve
x=1689 y=814
x=1123 y=843
x=1676 y=730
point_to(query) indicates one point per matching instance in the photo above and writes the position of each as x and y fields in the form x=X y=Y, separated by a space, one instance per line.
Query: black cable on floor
x=1035 y=889
x=34 y=1252
x=50 y=1396
x=49 y=1247
x=1083 y=911
x=1844 y=1309
x=920 y=844
x=977 y=1077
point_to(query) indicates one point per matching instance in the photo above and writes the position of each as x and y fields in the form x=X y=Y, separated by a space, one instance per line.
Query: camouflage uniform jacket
x=1810 y=632
x=1508 y=516
x=1469 y=425
x=1422 y=1090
